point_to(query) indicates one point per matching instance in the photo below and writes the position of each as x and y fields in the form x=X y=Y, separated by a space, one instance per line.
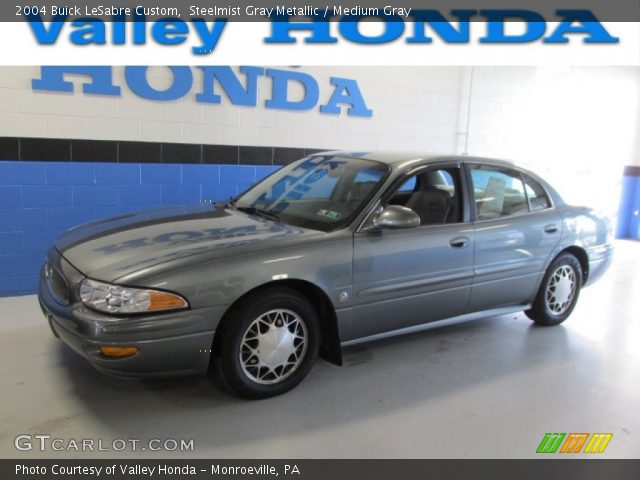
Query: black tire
x=233 y=360
x=546 y=309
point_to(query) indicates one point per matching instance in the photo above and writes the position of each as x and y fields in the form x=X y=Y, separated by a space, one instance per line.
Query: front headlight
x=109 y=298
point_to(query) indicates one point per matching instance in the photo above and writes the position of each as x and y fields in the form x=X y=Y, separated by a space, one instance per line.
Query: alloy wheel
x=561 y=289
x=273 y=346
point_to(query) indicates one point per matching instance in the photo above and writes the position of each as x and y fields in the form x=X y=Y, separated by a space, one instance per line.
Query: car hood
x=106 y=250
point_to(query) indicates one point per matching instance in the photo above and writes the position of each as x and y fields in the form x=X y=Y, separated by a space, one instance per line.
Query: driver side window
x=433 y=194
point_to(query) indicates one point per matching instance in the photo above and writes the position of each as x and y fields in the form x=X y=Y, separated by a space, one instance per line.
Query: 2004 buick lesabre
x=334 y=249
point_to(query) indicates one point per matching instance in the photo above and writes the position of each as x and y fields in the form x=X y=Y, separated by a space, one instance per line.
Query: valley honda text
x=160 y=469
x=414 y=26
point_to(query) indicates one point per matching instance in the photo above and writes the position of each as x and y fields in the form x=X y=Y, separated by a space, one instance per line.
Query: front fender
x=325 y=262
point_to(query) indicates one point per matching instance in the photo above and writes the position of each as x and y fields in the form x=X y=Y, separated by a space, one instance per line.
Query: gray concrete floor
x=489 y=388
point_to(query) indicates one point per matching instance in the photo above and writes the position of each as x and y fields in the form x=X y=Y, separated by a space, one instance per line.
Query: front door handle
x=550 y=228
x=459 y=242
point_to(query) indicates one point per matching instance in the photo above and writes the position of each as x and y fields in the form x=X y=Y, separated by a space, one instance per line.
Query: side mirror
x=396 y=216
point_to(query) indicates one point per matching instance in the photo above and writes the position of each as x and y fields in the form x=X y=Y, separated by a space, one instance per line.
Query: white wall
x=575 y=126
x=635 y=159
x=414 y=109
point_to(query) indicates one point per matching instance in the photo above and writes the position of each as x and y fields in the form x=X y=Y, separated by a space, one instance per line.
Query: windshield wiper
x=269 y=215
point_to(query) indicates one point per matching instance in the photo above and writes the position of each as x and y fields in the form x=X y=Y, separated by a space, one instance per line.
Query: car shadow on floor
x=420 y=369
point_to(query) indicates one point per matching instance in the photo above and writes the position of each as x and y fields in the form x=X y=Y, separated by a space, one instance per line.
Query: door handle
x=459 y=242
x=550 y=228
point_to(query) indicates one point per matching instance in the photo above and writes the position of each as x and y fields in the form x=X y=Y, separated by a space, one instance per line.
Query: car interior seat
x=431 y=204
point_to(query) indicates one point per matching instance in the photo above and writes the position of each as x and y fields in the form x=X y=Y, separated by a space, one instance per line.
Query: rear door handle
x=459 y=242
x=550 y=228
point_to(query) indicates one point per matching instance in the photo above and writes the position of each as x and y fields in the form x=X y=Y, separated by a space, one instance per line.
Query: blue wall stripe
x=628 y=225
x=634 y=220
x=40 y=200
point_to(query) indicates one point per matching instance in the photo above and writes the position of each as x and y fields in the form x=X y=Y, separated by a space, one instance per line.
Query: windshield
x=319 y=192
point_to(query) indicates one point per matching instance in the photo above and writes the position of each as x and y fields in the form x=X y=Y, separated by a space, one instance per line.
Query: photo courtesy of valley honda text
x=319 y=240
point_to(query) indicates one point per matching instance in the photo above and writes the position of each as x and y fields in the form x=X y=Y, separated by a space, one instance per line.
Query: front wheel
x=558 y=292
x=269 y=343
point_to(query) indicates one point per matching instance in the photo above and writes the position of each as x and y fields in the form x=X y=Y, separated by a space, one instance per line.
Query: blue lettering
x=89 y=32
x=347 y=92
x=119 y=30
x=317 y=175
x=279 y=97
x=393 y=29
x=243 y=92
x=138 y=83
x=534 y=23
x=43 y=35
x=441 y=26
x=128 y=245
x=170 y=31
x=178 y=237
x=52 y=79
x=139 y=29
x=590 y=25
x=208 y=37
x=280 y=28
x=237 y=93
x=175 y=31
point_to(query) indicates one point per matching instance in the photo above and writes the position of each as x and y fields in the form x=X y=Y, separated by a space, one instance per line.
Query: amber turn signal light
x=118 y=351
x=165 y=301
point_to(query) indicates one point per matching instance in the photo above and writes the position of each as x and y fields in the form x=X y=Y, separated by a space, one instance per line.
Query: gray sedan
x=334 y=249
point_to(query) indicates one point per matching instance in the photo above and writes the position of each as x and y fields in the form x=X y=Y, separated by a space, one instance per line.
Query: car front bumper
x=169 y=344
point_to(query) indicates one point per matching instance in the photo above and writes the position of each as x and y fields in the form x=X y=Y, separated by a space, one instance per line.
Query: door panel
x=510 y=255
x=515 y=234
x=411 y=276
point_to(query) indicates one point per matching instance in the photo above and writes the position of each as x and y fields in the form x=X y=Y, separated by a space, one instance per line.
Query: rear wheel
x=558 y=292
x=269 y=343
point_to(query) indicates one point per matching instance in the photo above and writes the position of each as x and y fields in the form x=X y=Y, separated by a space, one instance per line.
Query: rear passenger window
x=498 y=192
x=537 y=196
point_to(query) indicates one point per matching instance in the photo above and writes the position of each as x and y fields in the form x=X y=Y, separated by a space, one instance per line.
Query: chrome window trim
x=521 y=173
x=515 y=215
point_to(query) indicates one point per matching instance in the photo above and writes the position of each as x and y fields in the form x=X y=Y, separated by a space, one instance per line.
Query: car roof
x=396 y=158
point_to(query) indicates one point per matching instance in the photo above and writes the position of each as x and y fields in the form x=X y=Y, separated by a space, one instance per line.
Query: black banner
x=270 y=10
x=547 y=469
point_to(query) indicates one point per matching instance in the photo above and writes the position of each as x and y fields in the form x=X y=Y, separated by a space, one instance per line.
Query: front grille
x=57 y=283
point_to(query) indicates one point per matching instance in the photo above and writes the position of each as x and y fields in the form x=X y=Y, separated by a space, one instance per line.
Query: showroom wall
x=68 y=157
x=576 y=126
